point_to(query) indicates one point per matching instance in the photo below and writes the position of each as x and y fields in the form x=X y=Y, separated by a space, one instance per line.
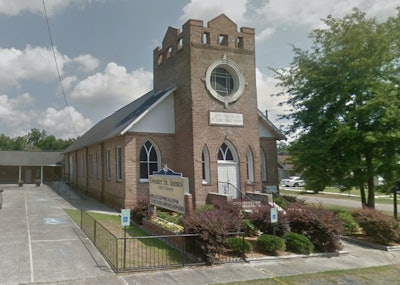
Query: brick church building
x=201 y=119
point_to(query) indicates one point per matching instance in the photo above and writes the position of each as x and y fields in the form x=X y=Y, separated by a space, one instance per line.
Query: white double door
x=228 y=179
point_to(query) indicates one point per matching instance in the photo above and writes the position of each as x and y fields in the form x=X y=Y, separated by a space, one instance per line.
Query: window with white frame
x=108 y=164
x=250 y=166
x=149 y=161
x=205 y=163
x=118 y=159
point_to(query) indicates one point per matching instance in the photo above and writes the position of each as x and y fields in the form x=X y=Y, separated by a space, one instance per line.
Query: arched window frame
x=224 y=154
x=250 y=166
x=150 y=165
x=205 y=165
x=264 y=176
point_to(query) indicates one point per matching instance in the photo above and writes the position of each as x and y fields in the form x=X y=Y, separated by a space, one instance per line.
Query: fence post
x=116 y=253
x=94 y=231
x=183 y=243
x=125 y=249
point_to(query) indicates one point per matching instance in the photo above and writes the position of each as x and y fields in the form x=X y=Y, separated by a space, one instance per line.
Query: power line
x=58 y=70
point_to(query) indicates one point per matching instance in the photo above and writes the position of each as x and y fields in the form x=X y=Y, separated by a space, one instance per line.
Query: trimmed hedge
x=239 y=245
x=214 y=225
x=321 y=226
x=270 y=244
x=298 y=243
x=261 y=218
x=249 y=229
x=380 y=227
x=350 y=225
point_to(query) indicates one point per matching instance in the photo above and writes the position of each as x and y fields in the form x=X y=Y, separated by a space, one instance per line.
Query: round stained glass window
x=224 y=81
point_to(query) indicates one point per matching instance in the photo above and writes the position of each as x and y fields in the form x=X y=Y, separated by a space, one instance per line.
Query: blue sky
x=104 y=52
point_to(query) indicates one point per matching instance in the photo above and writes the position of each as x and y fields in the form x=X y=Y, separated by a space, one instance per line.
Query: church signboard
x=167 y=190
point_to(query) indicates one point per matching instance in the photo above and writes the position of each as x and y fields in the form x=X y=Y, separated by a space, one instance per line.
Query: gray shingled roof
x=30 y=158
x=119 y=121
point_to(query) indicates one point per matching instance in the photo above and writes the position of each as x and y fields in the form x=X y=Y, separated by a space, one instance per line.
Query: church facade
x=201 y=119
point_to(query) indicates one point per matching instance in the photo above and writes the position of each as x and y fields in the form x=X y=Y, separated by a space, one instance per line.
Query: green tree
x=345 y=99
x=35 y=140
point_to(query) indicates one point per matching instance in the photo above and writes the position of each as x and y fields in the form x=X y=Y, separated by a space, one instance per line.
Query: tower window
x=206 y=38
x=159 y=59
x=180 y=43
x=222 y=81
x=168 y=52
x=240 y=42
x=223 y=40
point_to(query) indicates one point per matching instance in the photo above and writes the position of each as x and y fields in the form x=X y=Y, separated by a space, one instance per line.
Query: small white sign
x=125 y=217
x=230 y=119
x=274 y=215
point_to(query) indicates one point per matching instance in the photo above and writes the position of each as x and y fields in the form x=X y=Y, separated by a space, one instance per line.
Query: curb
x=297 y=256
x=372 y=245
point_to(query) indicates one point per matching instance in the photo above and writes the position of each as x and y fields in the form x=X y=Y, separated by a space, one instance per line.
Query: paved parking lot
x=40 y=243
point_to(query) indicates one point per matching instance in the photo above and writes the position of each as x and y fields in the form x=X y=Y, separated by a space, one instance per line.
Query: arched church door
x=228 y=172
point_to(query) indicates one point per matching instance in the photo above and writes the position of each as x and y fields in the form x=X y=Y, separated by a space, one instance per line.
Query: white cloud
x=58 y=122
x=265 y=34
x=206 y=9
x=265 y=15
x=87 y=62
x=310 y=12
x=267 y=99
x=37 y=64
x=18 y=118
x=112 y=88
x=33 y=63
x=12 y=115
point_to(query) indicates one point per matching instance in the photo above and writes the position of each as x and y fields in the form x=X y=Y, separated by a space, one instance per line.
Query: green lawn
x=336 y=193
x=141 y=251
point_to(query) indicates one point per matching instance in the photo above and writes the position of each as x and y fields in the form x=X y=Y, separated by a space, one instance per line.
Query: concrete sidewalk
x=39 y=244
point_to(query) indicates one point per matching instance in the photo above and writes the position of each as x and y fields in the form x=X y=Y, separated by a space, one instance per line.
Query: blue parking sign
x=274 y=215
x=125 y=217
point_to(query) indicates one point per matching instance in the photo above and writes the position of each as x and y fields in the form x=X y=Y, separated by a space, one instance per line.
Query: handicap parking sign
x=125 y=217
x=274 y=215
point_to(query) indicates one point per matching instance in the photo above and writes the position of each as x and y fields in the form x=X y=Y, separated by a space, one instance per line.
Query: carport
x=29 y=166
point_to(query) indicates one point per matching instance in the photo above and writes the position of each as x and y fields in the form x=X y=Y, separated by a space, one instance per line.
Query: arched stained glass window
x=225 y=153
x=149 y=161
x=250 y=166
x=205 y=163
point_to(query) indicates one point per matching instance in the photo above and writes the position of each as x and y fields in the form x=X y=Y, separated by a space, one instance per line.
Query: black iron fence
x=147 y=252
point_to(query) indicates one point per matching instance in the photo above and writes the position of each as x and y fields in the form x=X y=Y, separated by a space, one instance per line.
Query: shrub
x=261 y=218
x=350 y=225
x=174 y=218
x=239 y=245
x=321 y=226
x=380 y=227
x=140 y=211
x=270 y=244
x=172 y=227
x=298 y=243
x=213 y=224
x=249 y=229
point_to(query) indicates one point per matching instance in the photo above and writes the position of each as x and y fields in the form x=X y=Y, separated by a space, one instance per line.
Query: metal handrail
x=242 y=195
